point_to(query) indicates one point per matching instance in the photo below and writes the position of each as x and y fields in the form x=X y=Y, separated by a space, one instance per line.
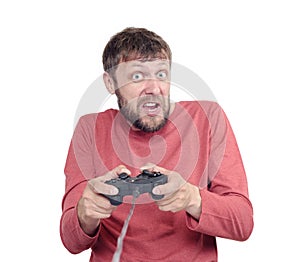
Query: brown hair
x=134 y=43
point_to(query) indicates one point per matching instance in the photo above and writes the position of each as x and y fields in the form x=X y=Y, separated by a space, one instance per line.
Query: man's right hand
x=92 y=205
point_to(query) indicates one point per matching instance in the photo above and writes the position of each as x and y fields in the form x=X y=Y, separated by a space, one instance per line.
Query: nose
x=152 y=87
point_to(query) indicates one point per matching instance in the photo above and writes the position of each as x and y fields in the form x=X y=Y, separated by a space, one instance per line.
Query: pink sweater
x=197 y=142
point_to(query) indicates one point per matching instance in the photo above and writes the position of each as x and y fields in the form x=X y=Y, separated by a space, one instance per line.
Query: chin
x=150 y=125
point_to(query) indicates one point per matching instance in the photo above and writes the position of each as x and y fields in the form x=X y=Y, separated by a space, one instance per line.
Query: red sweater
x=197 y=142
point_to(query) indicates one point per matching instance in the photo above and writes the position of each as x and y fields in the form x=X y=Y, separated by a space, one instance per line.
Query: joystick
x=143 y=183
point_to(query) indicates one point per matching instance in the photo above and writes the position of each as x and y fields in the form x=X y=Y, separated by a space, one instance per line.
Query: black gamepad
x=143 y=183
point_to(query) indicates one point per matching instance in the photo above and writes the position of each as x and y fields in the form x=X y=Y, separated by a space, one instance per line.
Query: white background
x=246 y=51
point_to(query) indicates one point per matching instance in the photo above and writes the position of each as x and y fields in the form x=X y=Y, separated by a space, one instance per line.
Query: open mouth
x=151 y=108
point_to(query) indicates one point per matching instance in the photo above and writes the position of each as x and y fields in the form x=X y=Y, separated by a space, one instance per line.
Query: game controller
x=134 y=186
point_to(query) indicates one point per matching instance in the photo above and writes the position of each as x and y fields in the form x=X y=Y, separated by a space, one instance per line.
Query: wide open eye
x=136 y=77
x=162 y=75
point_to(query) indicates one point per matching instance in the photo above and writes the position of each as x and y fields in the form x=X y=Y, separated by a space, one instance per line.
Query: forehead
x=142 y=64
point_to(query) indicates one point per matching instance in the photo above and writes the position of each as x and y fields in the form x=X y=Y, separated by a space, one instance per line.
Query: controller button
x=123 y=176
x=146 y=172
x=151 y=174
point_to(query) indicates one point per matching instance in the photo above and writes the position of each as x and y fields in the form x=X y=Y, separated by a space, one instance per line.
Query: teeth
x=150 y=104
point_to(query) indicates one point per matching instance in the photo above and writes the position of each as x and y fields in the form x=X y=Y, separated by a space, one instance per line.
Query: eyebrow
x=140 y=64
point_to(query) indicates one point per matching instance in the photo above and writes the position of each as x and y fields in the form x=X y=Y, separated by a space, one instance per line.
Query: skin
x=93 y=206
x=137 y=84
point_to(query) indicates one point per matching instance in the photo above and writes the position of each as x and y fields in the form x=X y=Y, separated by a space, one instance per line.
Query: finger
x=113 y=173
x=161 y=190
x=175 y=182
x=103 y=203
x=165 y=189
x=116 y=171
x=98 y=186
x=97 y=203
x=169 y=205
x=166 y=200
x=173 y=204
x=149 y=166
x=172 y=186
x=97 y=211
x=154 y=168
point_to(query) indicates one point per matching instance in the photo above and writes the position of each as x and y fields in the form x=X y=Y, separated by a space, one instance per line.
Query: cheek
x=130 y=92
x=165 y=88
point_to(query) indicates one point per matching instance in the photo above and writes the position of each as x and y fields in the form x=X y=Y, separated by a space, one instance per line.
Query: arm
x=228 y=216
x=83 y=205
x=226 y=209
x=72 y=235
x=83 y=208
x=223 y=208
x=78 y=170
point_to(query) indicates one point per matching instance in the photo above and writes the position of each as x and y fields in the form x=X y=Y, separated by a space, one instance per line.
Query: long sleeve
x=217 y=170
x=226 y=209
x=228 y=216
x=73 y=237
x=78 y=169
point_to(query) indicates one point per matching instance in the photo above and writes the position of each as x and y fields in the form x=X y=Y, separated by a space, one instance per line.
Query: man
x=192 y=143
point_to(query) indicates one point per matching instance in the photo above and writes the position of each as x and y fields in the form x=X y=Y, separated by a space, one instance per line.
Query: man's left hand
x=178 y=194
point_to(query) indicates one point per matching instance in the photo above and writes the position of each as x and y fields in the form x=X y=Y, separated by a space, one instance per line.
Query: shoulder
x=200 y=107
x=91 y=119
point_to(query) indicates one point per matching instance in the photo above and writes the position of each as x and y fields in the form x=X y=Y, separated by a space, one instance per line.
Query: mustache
x=150 y=98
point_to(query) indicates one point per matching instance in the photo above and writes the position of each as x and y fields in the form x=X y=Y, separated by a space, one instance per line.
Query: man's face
x=143 y=91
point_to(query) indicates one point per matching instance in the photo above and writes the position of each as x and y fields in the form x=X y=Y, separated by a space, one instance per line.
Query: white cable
x=118 y=252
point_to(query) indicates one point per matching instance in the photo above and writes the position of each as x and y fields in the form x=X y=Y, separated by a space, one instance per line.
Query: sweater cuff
x=194 y=224
x=73 y=237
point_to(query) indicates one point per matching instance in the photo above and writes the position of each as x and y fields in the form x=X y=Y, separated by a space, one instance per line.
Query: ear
x=109 y=83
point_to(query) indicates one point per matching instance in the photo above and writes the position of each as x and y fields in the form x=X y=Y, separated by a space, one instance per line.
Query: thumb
x=165 y=189
x=99 y=186
x=175 y=181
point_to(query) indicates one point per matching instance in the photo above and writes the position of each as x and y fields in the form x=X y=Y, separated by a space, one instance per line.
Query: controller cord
x=117 y=254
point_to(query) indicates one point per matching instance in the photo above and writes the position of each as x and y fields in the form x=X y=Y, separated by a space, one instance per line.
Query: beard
x=149 y=123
